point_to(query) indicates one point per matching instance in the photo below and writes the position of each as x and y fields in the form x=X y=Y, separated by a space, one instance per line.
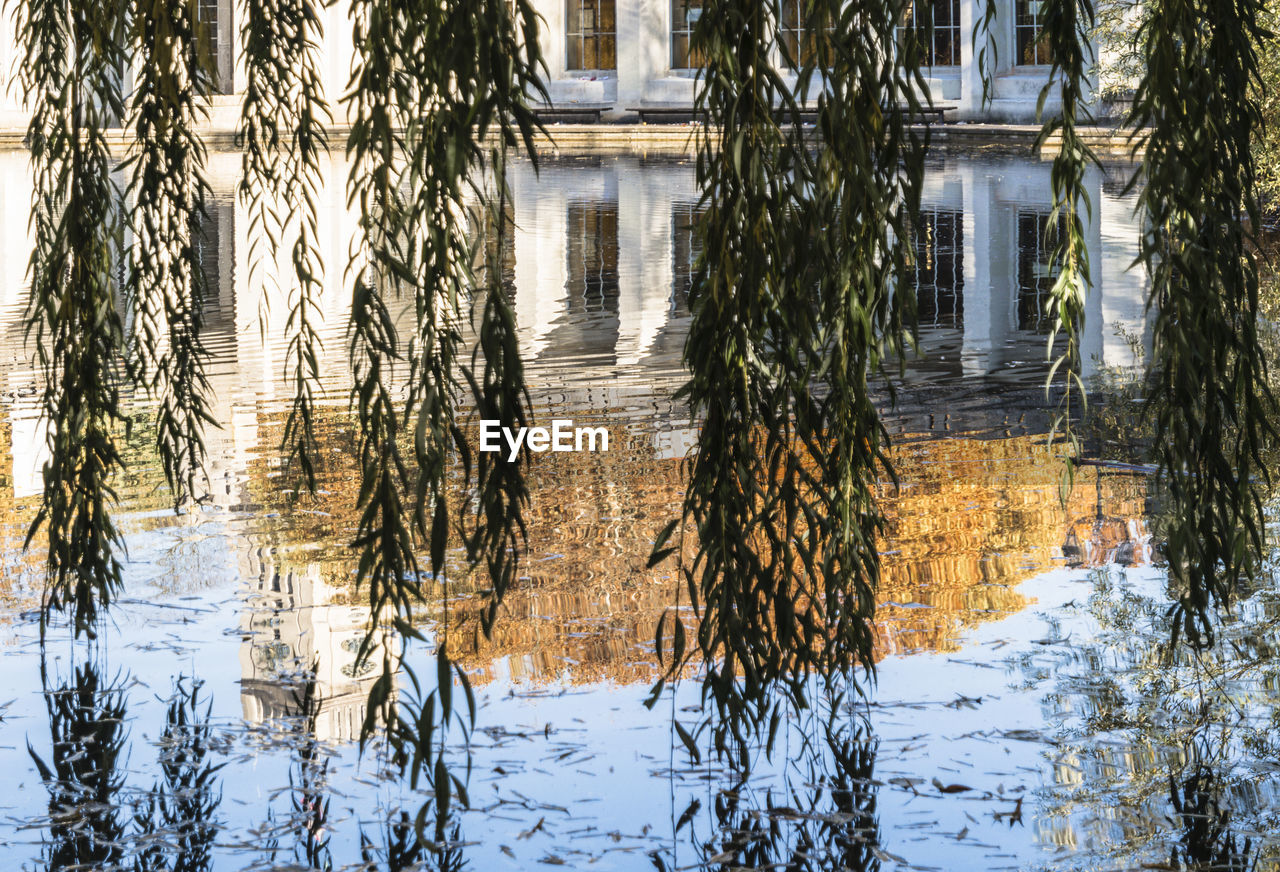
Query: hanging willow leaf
x=169 y=190
x=69 y=71
x=432 y=84
x=1198 y=112
x=498 y=532
x=1068 y=25
x=282 y=132
x=798 y=298
x=986 y=48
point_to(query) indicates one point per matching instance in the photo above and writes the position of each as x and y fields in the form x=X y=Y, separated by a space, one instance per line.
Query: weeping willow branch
x=166 y=284
x=496 y=377
x=1213 y=407
x=430 y=83
x=72 y=55
x=986 y=49
x=796 y=297
x=388 y=564
x=865 y=196
x=282 y=132
x=1068 y=25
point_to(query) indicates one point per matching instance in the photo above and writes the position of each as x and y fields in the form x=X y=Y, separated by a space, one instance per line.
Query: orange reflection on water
x=972 y=519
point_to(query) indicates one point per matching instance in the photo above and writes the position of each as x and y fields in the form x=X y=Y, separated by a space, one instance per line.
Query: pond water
x=1022 y=717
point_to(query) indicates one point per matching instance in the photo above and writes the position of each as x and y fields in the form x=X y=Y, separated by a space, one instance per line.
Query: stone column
x=228 y=40
x=552 y=37
x=239 y=78
x=1096 y=340
x=10 y=94
x=653 y=41
x=336 y=53
x=630 y=17
x=970 y=109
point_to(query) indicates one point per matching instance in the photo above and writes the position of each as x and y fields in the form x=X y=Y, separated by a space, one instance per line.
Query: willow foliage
x=799 y=294
x=71 y=57
x=1198 y=106
x=282 y=132
x=165 y=284
x=1068 y=25
x=430 y=83
x=1266 y=147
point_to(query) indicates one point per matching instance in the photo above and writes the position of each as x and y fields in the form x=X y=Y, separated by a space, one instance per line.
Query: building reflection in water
x=301 y=633
x=600 y=262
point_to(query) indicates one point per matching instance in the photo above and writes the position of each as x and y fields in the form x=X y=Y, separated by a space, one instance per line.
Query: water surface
x=1020 y=716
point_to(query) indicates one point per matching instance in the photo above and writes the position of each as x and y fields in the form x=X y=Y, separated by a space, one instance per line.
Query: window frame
x=951 y=32
x=574 y=33
x=1030 y=32
x=689 y=67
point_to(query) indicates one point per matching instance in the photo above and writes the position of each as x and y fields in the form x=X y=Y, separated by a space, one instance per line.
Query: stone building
x=622 y=54
x=628 y=53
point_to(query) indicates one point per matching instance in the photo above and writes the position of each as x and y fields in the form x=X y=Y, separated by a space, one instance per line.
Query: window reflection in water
x=592 y=258
x=215 y=250
x=1037 y=237
x=685 y=249
x=939 y=268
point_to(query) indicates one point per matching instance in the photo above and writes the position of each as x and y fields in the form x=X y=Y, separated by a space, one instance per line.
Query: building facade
x=628 y=53
x=622 y=54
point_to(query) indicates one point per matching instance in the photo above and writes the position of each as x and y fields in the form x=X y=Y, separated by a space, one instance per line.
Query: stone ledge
x=679 y=140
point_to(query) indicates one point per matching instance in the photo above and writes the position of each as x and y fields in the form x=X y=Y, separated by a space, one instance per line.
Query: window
x=795 y=35
x=942 y=48
x=1037 y=239
x=214 y=17
x=1030 y=47
x=939 y=268
x=592 y=34
x=592 y=258
x=685 y=249
x=684 y=18
x=214 y=245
